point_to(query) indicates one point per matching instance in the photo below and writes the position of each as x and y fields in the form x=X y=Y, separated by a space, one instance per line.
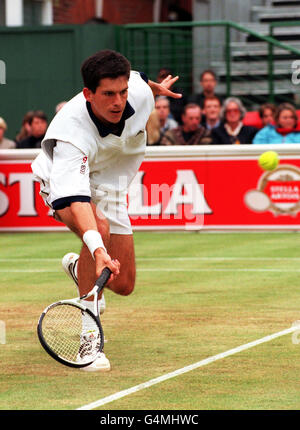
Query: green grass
x=196 y=295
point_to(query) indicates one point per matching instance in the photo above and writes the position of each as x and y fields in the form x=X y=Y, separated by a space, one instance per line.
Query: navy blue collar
x=117 y=129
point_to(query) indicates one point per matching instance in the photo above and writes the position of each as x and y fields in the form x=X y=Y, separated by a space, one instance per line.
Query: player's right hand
x=102 y=260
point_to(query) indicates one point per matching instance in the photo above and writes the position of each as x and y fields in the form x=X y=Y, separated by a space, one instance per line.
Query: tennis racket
x=70 y=332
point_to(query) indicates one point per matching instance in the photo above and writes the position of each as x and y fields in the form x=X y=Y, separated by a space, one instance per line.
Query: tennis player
x=91 y=152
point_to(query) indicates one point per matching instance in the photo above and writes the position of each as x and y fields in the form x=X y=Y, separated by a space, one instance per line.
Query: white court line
x=186 y=369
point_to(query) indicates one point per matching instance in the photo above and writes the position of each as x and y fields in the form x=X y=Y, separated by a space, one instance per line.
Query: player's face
x=109 y=100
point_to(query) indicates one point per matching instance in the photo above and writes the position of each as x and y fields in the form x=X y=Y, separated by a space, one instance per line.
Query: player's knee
x=123 y=286
x=126 y=289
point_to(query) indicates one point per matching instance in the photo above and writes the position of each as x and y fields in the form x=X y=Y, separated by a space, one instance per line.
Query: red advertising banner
x=183 y=189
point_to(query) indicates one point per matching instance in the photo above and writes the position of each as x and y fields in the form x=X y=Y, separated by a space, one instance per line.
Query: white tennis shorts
x=69 y=176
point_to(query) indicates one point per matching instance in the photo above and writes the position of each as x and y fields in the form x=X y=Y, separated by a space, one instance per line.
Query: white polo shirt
x=81 y=160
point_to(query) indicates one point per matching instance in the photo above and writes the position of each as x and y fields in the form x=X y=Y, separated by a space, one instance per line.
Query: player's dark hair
x=104 y=64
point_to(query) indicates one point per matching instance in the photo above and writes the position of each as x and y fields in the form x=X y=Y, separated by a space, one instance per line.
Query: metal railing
x=187 y=51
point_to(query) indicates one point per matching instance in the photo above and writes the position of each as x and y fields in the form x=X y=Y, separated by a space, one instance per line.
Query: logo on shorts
x=278 y=191
x=83 y=166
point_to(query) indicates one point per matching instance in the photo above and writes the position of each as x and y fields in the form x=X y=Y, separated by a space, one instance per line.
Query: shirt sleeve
x=69 y=178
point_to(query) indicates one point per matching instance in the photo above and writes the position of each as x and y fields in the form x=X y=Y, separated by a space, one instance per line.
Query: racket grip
x=103 y=278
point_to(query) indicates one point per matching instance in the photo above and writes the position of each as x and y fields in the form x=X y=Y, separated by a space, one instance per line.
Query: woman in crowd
x=232 y=130
x=285 y=130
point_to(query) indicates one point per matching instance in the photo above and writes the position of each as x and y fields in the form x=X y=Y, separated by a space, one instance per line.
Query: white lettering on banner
x=4 y=202
x=168 y=196
x=137 y=195
x=27 y=197
x=186 y=180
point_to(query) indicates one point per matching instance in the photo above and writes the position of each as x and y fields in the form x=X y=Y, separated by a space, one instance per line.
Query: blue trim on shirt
x=66 y=201
x=144 y=77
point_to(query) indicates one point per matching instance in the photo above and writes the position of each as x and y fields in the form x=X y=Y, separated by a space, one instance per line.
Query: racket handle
x=103 y=278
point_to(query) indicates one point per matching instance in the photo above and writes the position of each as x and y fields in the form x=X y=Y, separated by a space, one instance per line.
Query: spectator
x=232 y=130
x=153 y=129
x=162 y=106
x=26 y=127
x=191 y=132
x=208 y=82
x=285 y=130
x=38 y=124
x=176 y=105
x=4 y=142
x=59 y=106
x=267 y=113
x=212 y=111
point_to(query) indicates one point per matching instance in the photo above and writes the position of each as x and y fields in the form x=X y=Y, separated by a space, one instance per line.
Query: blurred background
x=250 y=45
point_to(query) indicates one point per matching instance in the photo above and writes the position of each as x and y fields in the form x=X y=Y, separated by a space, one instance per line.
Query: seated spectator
x=285 y=130
x=162 y=106
x=153 y=129
x=38 y=124
x=60 y=105
x=267 y=113
x=232 y=130
x=208 y=82
x=176 y=105
x=191 y=132
x=212 y=110
x=4 y=142
x=25 y=128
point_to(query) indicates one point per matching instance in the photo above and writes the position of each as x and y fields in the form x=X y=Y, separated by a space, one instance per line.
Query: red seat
x=253 y=118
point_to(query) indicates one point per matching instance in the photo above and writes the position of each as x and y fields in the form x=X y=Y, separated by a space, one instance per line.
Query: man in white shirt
x=92 y=150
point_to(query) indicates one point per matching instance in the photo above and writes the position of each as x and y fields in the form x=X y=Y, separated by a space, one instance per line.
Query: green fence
x=42 y=64
x=264 y=74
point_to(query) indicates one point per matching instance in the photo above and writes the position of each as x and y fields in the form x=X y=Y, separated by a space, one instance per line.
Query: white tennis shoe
x=69 y=264
x=101 y=364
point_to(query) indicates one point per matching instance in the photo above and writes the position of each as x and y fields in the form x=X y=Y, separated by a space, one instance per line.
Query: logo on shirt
x=83 y=165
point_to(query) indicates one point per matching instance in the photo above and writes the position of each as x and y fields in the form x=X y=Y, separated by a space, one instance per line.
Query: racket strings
x=64 y=330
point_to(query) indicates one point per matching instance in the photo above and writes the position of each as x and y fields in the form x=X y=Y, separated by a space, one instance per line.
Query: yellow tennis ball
x=268 y=160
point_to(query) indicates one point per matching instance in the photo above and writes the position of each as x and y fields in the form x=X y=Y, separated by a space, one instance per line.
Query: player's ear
x=87 y=93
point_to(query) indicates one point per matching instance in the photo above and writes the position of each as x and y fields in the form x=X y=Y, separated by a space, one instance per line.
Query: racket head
x=60 y=332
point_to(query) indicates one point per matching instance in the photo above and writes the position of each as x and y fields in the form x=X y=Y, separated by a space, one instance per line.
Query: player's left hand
x=163 y=88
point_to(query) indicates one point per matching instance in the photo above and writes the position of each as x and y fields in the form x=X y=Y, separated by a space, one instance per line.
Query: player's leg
x=121 y=247
x=86 y=264
x=86 y=277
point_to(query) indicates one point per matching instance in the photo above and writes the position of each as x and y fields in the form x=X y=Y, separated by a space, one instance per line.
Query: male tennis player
x=91 y=152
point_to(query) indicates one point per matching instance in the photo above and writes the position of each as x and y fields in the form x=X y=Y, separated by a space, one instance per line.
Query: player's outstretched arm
x=163 y=88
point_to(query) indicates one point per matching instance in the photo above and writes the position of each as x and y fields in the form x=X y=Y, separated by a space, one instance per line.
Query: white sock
x=88 y=324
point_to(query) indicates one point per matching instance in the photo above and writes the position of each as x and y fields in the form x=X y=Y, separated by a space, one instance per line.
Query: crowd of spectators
x=209 y=119
x=198 y=119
